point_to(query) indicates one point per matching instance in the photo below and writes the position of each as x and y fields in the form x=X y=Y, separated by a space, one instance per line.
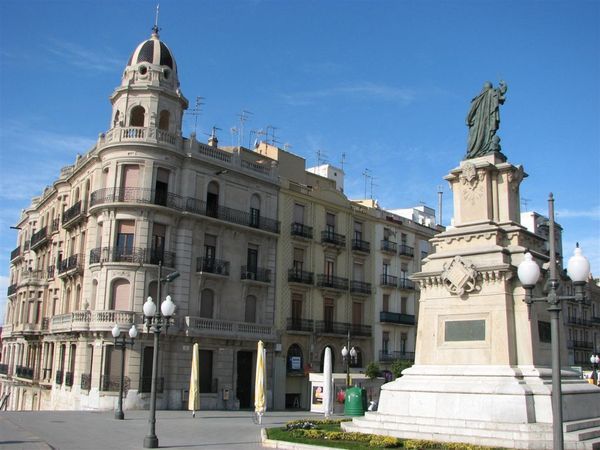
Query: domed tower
x=149 y=94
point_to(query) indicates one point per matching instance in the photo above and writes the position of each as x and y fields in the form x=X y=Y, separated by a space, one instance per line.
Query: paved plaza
x=176 y=430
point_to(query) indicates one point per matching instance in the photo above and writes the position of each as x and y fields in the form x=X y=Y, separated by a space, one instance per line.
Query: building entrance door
x=244 y=379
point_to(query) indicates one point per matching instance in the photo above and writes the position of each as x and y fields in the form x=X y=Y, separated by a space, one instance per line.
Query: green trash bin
x=354 y=404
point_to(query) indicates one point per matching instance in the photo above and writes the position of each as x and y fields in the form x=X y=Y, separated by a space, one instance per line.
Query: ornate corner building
x=90 y=246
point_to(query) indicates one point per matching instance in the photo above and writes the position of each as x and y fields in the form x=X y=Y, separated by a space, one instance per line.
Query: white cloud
x=83 y=57
x=593 y=213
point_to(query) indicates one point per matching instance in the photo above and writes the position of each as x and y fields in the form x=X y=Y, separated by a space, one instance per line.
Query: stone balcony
x=137 y=135
x=92 y=320
x=201 y=326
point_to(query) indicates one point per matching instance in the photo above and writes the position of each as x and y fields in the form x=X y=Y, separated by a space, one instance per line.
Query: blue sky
x=387 y=83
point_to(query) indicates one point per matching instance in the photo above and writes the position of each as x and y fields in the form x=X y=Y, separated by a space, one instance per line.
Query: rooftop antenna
x=321 y=157
x=244 y=117
x=155 y=28
x=525 y=202
x=343 y=160
x=372 y=184
x=234 y=132
x=272 y=129
x=440 y=194
x=197 y=111
x=367 y=175
x=212 y=137
x=287 y=146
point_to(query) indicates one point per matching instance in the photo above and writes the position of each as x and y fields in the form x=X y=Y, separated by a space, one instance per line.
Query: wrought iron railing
x=360 y=287
x=12 y=289
x=400 y=318
x=329 y=237
x=299 y=229
x=58 y=378
x=256 y=274
x=71 y=215
x=389 y=246
x=332 y=282
x=136 y=195
x=24 y=372
x=389 y=280
x=212 y=265
x=137 y=255
x=231 y=215
x=39 y=237
x=300 y=276
x=73 y=262
x=388 y=356
x=3 y=369
x=361 y=246
x=342 y=328
x=15 y=253
x=580 y=344
x=295 y=324
x=405 y=250
x=405 y=283
x=110 y=383
x=69 y=378
x=86 y=381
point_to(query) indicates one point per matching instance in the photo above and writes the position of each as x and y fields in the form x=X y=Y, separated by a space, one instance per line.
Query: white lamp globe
x=353 y=352
x=344 y=351
x=133 y=332
x=594 y=359
x=578 y=267
x=528 y=271
x=168 y=307
x=115 y=331
x=149 y=308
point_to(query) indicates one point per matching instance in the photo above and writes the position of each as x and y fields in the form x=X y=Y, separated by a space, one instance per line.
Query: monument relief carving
x=459 y=277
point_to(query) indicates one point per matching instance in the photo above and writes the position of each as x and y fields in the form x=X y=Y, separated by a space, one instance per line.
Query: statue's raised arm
x=483 y=120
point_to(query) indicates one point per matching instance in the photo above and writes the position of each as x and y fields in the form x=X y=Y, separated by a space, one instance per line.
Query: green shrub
x=384 y=441
x=372 y=370
x=398 y=366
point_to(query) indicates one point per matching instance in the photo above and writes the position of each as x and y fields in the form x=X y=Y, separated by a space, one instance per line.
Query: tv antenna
x=525 y=202
x=196 y=111
x=343 y=160
x=440 y=194
x=244 y=117
x=321 y=157
x=272 y=129
x=372 y=184
x=367 y=175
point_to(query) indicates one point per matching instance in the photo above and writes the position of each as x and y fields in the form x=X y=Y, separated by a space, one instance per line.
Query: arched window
x=206 y=303
x=116 y=119
x=250 y=310
x=323 y=359
x=295 y=361
x=212 y=199
x=120 y=295
x=255 y=211
x=76 y=195
x=137 y=117
x=163 y=120
x=77 y=305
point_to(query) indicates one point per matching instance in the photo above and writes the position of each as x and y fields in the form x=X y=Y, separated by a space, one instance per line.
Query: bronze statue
x=483 y=121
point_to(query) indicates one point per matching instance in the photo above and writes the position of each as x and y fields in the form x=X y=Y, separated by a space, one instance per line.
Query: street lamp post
x=594 y=360
x=578 y=270
x=156 y=319
x=122 y=343
x=348 y=357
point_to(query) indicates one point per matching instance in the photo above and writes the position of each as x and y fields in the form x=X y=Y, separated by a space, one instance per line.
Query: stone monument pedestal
x=482 y=368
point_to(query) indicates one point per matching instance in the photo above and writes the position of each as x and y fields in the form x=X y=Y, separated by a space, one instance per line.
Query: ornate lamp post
x=155 y=320
x=578 y=270
x=122 y=343
x=349 y=357
x=595 y=360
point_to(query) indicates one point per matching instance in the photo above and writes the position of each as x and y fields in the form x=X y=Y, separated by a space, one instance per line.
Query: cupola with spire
x=149 y=94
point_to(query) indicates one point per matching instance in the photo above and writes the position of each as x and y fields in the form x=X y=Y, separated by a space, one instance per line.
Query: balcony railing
x=341 y=328
x=146 y=384
x=3 y=369
x=69 y=379
x=12 y=289
x=109 y=383
x=580 y=344
x=405 y=283
x=389 y=280
x=256 y=274
x=227 y=214
x=388 y=356
x=299 y=229
x=91 y=320
x=295 y=324
x=389 y=246
x=300 y=276
x=24 y=372
x=15 y=253
x=332 y=282
x=86 y=381
x=73 y=263
x=140 y=134
x=138 y=255
x=331 y=238
x=73 y=215
x=358 y=245
x=58 y=379
x=580 y=321
x=400 y=318
x=212 y=265
x=405 y=250
x=136 y=195
x=39 y=238
x=360 y=287
x=226 y=328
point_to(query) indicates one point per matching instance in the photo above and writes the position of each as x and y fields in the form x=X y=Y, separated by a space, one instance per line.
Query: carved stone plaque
x=459 y=277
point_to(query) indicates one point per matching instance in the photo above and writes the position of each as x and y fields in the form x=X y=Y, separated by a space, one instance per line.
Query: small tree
x=398 y=366
x=372 y=370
